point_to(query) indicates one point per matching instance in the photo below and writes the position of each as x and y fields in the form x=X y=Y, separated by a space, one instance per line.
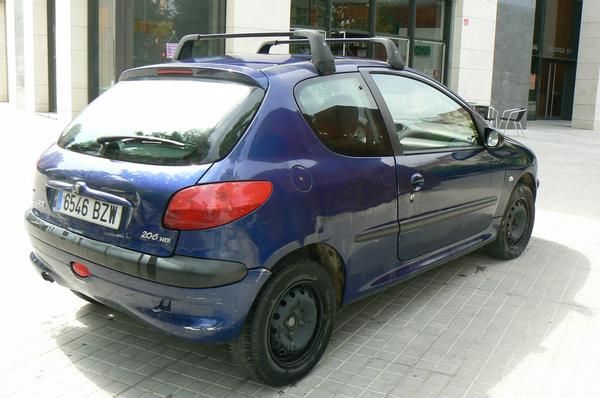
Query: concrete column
x=586 y=107
x=512 y=59
x=71 y=58
x=472 y=49
x=255 y=16
x=3 y=59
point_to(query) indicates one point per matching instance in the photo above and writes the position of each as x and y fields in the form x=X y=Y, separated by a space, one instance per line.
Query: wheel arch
x=324 y=255
x=529 y=180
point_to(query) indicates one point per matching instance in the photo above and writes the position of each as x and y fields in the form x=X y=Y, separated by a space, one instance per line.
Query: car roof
x=262 y=61
x=256 y=64
x=259 y=66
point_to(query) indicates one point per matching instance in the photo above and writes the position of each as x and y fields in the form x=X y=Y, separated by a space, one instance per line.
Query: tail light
x=80 y=269
x=213 y=205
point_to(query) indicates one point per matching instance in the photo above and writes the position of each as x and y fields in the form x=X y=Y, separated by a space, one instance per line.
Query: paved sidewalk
x=476 y=327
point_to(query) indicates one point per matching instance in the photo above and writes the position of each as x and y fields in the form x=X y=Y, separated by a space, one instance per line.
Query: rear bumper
x=204 y=314
x=178 y=271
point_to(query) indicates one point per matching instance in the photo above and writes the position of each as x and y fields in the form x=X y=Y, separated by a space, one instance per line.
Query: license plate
x=89 y=209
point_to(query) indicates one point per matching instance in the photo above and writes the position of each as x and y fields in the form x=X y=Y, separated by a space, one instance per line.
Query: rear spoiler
x=206 y=71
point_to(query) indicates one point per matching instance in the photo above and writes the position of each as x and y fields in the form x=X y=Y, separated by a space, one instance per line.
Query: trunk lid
x=141 y=190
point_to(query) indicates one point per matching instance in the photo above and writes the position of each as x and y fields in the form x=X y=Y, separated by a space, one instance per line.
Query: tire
x=289 y=326
x=517 y=224
x=86 y=298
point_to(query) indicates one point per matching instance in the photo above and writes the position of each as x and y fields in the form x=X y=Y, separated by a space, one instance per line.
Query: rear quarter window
x=165 y=121
x=343 y=115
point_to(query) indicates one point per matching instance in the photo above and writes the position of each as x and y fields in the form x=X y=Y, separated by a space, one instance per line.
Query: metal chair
x=514 y=116
x=489 y=113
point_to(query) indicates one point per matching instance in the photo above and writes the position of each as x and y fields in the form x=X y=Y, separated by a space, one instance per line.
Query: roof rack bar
x=322 y=57
x=393 y=54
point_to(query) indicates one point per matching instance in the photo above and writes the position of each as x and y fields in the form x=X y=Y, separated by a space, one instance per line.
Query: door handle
x=417 y=181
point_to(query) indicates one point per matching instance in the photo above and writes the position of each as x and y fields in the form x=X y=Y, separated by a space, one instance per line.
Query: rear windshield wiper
x=138 y=138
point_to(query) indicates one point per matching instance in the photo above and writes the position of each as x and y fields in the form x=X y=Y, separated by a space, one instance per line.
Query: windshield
x=188 y=121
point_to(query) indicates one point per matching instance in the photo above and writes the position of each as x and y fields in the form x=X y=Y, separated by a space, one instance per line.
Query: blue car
x=244 y=200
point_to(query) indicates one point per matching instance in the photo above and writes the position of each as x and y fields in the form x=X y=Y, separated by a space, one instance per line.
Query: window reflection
x=351 y=15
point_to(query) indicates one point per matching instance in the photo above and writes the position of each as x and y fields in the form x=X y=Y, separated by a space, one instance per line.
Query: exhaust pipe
x=47 y=277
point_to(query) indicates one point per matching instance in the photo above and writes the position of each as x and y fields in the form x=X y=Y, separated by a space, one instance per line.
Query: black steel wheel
x=293 y=323
x=289 y=326
x=517 y=225
x=517 y=222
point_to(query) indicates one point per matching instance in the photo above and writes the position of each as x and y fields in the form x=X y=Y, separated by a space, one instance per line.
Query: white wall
x=33 y=96
x=36 y=58
x=10 y=52
x=255 y=16
x=71 y=58
x=472 y=49
x=586 y=107
x=3 y=61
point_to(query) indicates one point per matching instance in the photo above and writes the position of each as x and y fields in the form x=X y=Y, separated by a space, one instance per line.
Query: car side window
x=425 y=118
x=343 y=115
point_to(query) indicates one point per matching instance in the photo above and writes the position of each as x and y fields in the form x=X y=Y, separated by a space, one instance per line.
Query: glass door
x=557 y=84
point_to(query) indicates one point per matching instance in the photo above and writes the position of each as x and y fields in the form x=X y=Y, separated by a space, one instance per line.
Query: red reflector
x=174 y=71
x=212 y=205
x=80 y=269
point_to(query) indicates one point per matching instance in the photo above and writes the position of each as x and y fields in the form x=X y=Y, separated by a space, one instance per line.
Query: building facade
x=3 y=60
x=57 y=56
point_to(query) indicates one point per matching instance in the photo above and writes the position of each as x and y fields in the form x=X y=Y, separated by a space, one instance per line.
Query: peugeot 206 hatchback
x=244 y=200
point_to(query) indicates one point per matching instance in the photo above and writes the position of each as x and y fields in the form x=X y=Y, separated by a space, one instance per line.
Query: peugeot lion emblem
x=77 y=188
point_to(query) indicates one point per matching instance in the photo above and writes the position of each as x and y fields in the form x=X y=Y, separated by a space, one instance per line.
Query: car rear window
x=165 y=121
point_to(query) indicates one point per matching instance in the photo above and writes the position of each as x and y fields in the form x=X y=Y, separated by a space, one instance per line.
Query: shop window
x=311 y=13
x=126 y=34
x=562 y=19
x=393 y=17
x=418 y=27
x=158 y=26
x=430 y=19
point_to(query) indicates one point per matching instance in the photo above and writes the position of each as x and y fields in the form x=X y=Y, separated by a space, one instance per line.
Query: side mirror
x=493 y=138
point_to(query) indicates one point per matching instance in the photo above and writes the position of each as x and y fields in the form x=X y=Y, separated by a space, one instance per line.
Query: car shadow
x=464 y=326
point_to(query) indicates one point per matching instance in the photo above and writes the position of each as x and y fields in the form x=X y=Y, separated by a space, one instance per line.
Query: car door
x=354 y=178
x=447 y=188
